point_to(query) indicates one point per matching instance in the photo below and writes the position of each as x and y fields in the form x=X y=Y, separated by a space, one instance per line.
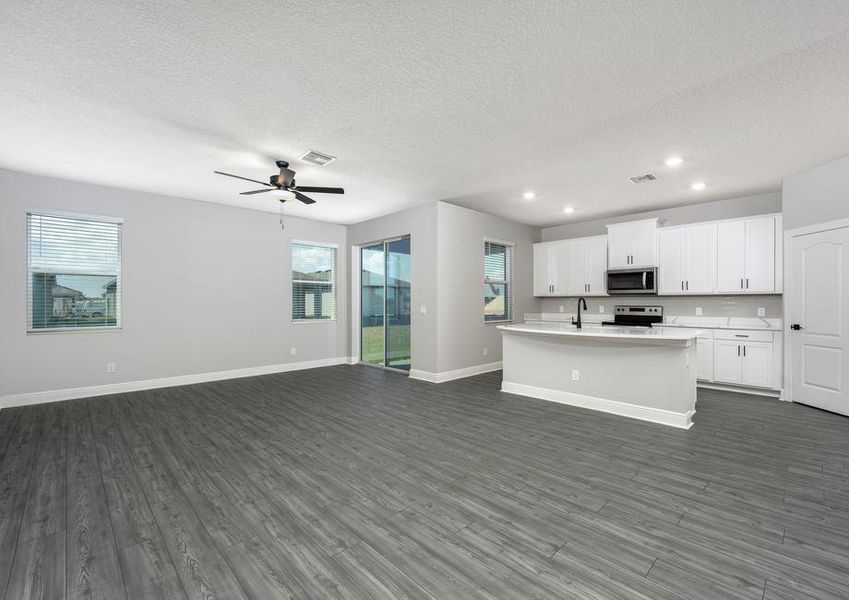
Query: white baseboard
x=149 y=384
x=708 y=385
x=623 y=409
x=456 y=374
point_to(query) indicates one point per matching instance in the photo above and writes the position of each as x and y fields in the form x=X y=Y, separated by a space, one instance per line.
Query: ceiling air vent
x=318 y=158
x=644 y=178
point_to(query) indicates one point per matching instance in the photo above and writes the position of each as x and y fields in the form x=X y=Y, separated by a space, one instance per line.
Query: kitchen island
x=639 y=372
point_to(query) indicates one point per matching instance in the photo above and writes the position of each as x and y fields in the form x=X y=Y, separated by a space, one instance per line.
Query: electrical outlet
x=423 y=310
x=293 y=350
x=485 y=351
x=761 y=311
x=576 y=375
x=698 y=311
x=601 y=308
x=562 y=308
x=111 y=367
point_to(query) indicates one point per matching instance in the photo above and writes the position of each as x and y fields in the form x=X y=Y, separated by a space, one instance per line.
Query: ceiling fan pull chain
x=282 y=224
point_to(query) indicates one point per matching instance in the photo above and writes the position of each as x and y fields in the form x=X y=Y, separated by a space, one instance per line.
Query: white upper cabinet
x=632 y=244
x=551 y=263
x=747 y=256
x=760 y=255
x=687 y=259
x=588 y=266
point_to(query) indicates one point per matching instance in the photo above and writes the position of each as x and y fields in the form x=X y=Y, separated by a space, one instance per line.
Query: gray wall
x=206 y=288
x=420 y=224
x=447 y=278
x=818 y=195
x=745 y=206
x=462 y=333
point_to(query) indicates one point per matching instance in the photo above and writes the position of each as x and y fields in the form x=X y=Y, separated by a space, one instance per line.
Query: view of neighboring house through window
x=313 y=281
x=497 y=281
x=74 y=272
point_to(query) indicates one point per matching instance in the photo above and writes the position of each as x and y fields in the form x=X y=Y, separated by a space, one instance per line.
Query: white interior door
x=818 y=284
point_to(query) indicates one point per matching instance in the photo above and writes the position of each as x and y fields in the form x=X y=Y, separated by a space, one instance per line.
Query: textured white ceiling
x=471 y=102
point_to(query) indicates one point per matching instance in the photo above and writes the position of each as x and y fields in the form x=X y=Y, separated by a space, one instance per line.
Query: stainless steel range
x=636 y=315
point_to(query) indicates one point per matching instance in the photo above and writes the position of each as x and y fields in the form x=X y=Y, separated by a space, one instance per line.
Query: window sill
x=74 y=330
x=301 y=321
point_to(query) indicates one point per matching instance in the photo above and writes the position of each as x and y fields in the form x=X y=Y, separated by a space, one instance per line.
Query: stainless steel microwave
x=632 y=281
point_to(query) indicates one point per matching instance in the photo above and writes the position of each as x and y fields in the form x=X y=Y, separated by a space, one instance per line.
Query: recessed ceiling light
x=673 y=161
x=529 y=195
x=568 y=210
x=698 y=186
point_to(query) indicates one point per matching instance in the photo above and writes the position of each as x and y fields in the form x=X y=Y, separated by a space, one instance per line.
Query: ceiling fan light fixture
x=281 y=195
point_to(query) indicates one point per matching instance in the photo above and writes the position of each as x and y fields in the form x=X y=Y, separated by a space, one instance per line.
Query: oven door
x=632 y=281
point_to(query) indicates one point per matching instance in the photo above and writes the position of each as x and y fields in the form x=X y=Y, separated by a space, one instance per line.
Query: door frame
x=787 y=392
x=356 y=303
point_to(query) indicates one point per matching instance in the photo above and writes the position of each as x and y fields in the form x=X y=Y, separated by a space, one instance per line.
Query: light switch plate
x=423 y=310
x=601 y=308
x=761 y=311
x=562 y=308
x=698 y=311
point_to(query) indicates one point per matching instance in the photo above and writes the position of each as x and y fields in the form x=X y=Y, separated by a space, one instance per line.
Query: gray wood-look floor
x=352 y=482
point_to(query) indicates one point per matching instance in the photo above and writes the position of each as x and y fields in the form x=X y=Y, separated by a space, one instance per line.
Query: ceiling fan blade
x=320 y=190
x=302 y=198
x=245 y=178
x=256 y=191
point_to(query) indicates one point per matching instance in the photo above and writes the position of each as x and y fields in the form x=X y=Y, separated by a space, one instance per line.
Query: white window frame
x=117 y=274
x=333 y=280
x=508 y=283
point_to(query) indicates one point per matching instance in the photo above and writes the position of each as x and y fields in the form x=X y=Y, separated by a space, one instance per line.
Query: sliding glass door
x=385 y=303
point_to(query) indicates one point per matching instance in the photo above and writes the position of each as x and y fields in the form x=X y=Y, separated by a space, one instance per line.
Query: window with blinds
x=497 y=281
x=313 y=282
x=73 y=272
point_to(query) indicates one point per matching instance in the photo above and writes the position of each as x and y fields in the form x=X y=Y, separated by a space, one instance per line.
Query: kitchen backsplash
x=712 y=306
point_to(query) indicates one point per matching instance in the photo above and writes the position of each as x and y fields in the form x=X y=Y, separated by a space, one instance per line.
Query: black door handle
x=796 y=327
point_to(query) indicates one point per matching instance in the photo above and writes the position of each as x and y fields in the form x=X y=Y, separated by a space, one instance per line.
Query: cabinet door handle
x=744 y=351
x=688 y=285
x=741 y=283
x=747 y=283
x=682 y=286
x=738 y=349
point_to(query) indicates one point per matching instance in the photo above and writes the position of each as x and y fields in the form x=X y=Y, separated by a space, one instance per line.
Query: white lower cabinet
x=744 y=358
x=750 y=358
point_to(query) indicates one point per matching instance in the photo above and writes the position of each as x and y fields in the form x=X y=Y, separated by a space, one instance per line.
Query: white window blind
x=73 y=272
x=313 y=282
x=497 y=281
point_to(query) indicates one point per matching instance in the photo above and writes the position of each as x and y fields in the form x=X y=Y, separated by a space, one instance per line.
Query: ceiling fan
x=285 y=181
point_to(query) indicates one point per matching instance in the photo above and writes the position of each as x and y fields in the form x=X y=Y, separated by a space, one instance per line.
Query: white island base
x=640 y=373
